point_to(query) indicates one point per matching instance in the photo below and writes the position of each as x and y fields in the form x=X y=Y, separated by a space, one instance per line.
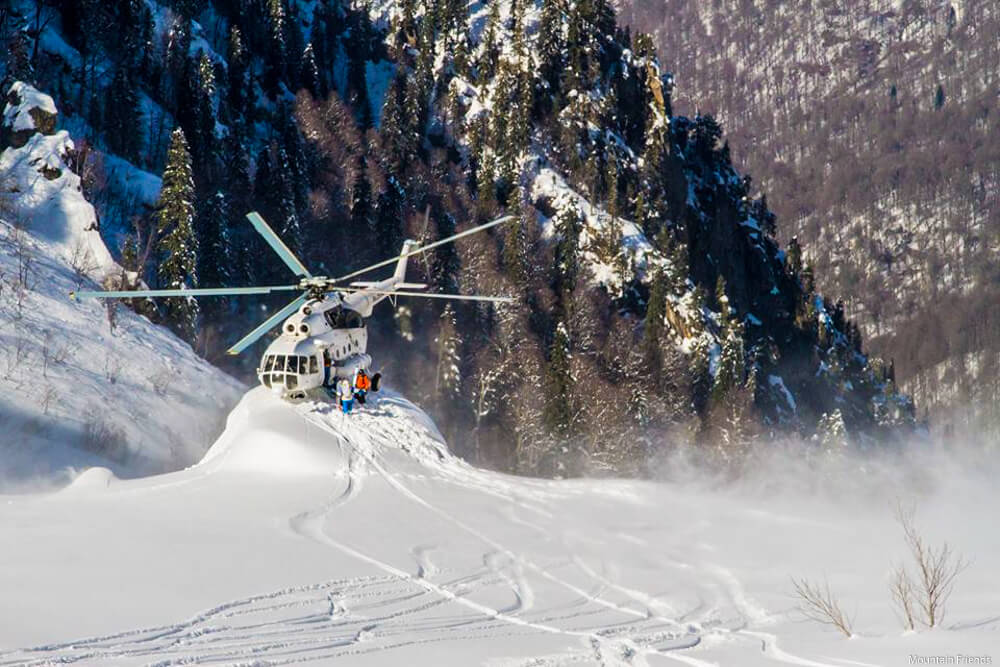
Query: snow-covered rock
x=28 y=111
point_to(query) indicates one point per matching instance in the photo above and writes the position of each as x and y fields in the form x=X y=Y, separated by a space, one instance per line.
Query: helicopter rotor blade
x=429 y=246
x=267 y=325
x=208 y=291
x=286 y=255
x=433 y=295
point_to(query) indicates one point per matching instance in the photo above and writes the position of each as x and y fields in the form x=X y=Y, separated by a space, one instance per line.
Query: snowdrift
x=308 y=536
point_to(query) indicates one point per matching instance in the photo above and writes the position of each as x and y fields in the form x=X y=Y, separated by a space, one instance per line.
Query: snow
x=16 y=116
x=548 y=184
x=776 y=381
x=78 y=392
x=307 y=535
x=379 y=77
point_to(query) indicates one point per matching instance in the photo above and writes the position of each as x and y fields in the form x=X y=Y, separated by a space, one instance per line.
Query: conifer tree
x=362 y=213
x=490 y=44
x=310 y=73
x=277 y=57
x=177 y=59
x=515 y=246
x=178 y=246
x=732 y=362
x=123 y=118
x=652 y=334
x=397 y=127
x=568 y=226
x=214 y=247
x=205 y=150
x=558 y=412
x=551 y=45
x=236 y=57
x=448 y=378
x=831 y=432
x=389 y=217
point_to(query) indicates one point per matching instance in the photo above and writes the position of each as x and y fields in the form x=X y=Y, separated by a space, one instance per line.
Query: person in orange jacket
x=362 y=385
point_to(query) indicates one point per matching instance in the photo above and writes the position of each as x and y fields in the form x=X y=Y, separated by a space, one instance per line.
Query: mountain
x=872 y=128
x=308 y=536
x=82 y=384
x=656 y=307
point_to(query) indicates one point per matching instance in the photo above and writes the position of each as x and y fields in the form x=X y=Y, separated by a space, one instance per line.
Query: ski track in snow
x=608 y=622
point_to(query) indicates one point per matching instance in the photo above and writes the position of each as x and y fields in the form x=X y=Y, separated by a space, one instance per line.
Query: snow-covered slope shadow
x=308 y=535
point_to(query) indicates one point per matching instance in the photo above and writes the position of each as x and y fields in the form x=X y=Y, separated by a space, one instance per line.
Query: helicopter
x=323 y=334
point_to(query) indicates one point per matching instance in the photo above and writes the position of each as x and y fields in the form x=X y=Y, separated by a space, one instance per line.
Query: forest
x=656 y=308
x=872 y=126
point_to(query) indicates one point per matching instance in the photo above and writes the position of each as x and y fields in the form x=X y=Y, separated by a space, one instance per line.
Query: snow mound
x=91 y=479
x=266 y=435
x=269 y=436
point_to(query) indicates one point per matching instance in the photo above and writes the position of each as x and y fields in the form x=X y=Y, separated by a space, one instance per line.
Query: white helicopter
x=323 y=335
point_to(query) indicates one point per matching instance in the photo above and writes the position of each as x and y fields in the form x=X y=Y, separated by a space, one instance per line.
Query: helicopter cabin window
x=344 y=318
x=313 y=365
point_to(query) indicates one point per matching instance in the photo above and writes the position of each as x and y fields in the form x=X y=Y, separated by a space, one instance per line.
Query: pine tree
x=398 y=127
x=205 y=150
x=732 y=362
x=389 y=217
x=448 y=378
x=310 y=73
x=551 y=45
x=362 y=212
x=214 y=247
x=831 y=432
x=490 y=44
x=277 y=56
x=558 y=413
x=177 y=60
x=294 y=47
x=178 y=245
x=515 y=245
x=653 y=326
x=568 y=226
x=123 y=118
x=237 y=59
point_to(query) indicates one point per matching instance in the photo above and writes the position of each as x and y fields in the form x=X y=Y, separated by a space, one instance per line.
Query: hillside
x=872 y=128
x=656 y=307
x=305 y=536
x=82 y=384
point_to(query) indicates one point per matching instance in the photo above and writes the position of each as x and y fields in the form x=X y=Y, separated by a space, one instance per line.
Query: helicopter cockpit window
x=268 y=362
x=343 y=318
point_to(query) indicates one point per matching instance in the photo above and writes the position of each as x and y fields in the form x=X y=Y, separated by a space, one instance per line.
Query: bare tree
x=927 y=591
x=112 y=367
x=817 y=603
x=82 y=262
x=49 y=394
x=901 y=588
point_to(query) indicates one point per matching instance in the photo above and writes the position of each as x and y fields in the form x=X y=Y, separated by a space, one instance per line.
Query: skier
x=362 y=384
x=346 y=395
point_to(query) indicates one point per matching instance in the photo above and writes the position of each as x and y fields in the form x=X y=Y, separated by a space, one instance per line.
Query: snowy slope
x=305 y=535
x=75 y=390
